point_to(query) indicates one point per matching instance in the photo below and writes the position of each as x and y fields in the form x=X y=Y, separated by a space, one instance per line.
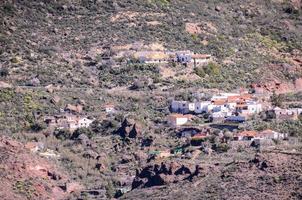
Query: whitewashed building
x=177 y=119
x=179 y=106
x=270 y=134
x=202 y=106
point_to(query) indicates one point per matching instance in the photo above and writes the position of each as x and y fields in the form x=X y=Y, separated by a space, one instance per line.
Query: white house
x=270 y=134
x=249 y=108
x=109 y=108
x=191 y=107
x=202 y=106
x=218 y=116
x=199 y=59
x=180 y=106
x=254 y=107
x=84 y=122
x=79 y=122
x=231 y=105
x=177 y=119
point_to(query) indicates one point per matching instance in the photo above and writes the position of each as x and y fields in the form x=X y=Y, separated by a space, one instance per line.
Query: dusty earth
x=27 y=176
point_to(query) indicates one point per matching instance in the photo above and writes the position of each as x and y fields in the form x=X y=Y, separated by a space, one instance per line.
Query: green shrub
x=4 y=72
x=199 y=71
x=8 y=8
x=221 y=147
x=62 y=134
x=37 y=127
x=212 y=69
x=80 y=131
x=277 y=100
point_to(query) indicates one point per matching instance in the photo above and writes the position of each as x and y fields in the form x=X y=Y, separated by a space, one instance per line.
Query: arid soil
x=28 y=176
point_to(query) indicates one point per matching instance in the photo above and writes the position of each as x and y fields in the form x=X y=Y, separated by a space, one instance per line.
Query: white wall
x=202 y=106
x=177 y=121
x=181 y=121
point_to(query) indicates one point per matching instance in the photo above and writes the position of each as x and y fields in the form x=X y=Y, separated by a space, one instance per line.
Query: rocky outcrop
x=24 y=175
x=277 y=87
x=5 y=85
x=129 y=129
x=298 y=84
x=74 y=108
x=166 y=173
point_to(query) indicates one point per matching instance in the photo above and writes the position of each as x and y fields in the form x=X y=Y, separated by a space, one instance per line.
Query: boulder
x=55 y=100
x=73 y=187
x=218 y=8
x=166 y=173
x=5 y=85
x=129 y=129
x=49 y=88
x=34 y=82
x=74 y=108
x=84 y=140
x=90 y=154
x=298 y=84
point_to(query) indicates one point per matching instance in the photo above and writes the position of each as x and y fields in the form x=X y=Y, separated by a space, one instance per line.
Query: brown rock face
x=298 y=84
x=129 y=129
x=22 y=171
x=73 y=187
x=55 y=99
x=297 y=4
x=276 y=86
x=193 y=28
x=74 y=108
x=166 y=173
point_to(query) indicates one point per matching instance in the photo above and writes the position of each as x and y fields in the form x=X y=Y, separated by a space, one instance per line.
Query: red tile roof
x=247 y=133
x=200 y=136
x=201 y=56
x=219 y=102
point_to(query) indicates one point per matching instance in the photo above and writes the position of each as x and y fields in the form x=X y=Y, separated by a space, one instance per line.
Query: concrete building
x=178 y=119
x=202 y=106
x=180 y=107
x=201 y=59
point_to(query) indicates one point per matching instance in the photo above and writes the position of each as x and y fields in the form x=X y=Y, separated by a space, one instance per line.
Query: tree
x=80 y=131
x=37 y=127
x=4 y=72
x=62 y=134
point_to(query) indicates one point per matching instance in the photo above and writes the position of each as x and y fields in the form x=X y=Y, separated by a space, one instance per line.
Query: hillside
x=71 y=81
x=61 y=42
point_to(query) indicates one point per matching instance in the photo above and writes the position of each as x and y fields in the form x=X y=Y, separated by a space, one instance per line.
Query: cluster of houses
x=160 y=56
x=183 y=57
x=71 y=119
x=231 y=107
x=199 y=135
x=262 y=135
x=287 y=114
x=67 y=121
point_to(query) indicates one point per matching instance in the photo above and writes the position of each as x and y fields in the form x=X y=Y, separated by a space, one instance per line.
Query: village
x=150 y=99
x=223 y=114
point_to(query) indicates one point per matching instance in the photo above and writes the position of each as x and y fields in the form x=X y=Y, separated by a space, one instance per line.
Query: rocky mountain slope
x=61 y=41
x=27 y=176
x=51 y=57
x=266 y=176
